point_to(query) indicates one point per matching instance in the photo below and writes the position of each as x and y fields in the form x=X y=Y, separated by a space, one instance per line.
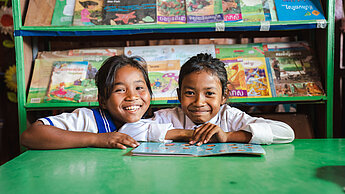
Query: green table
x=304 y=166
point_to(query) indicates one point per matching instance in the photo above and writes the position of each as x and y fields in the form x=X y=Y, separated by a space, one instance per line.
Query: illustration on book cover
x=66 y=80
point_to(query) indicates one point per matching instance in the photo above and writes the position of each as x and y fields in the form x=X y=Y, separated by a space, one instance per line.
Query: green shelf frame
x=21 y=31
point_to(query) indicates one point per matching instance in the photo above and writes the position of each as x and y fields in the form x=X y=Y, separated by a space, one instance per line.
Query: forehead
x=128 y=73
x=201 y=79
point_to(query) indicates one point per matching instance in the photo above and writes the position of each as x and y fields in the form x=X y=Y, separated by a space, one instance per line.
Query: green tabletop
x=304 y=166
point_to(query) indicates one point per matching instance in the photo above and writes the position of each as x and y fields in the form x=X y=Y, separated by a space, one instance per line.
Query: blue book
x=185 y=149
x=299 y=10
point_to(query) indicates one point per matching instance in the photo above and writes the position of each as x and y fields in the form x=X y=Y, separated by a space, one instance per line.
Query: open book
x=185 y=149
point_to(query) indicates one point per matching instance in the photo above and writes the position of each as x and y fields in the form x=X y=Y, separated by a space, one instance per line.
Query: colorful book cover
x=164 y=64
x=252 y=11
x=97 y=51
x=87 y=12
x=231 y=10
x=299 y=10
x=119 y=12
x=294 y=69
x=42 y=72
x=204 y=11
x=247 y=70
x=63 y=13
x=66 y=81
x=185 y=149
x=269 y=10
x=171 y=11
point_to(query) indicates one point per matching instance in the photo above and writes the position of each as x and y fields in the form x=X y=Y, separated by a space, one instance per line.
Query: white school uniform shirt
x=99 y=121
x=264 y=131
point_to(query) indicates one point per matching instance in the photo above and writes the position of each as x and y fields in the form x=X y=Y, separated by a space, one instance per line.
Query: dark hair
x=205 y=62
x=105 y=76
x=87 y=3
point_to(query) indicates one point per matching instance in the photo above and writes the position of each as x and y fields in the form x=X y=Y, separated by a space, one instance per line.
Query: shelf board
x=107 y=30
x=299 y=99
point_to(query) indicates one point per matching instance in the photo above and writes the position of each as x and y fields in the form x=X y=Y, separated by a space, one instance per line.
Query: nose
x=199 y=100
x=132 y=94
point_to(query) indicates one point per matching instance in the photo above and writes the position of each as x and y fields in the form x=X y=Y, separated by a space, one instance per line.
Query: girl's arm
x=40 y=136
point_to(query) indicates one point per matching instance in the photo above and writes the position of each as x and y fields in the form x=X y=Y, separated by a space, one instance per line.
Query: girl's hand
x=204 y=133
x=115 y=140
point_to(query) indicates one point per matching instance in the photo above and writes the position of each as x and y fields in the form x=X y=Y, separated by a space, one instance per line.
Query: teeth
x=132 y=108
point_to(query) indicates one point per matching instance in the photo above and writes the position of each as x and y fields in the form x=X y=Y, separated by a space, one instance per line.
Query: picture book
x=119 y=12
x=252 y=11
x=66 y=79
x=294 y=70
x=171 y=12
x=97 y=51
x=63 y=13
x=247 y=70
x=299 y=10
x=231 y=10
x=164 y=64
x=248 y=77
x=185 y=149
x=87 y=12
x=269 y=10
x=204 y=11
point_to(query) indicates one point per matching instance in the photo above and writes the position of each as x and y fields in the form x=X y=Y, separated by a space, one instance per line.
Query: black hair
x=105 y=76
x=87 y=3
x=205 y=62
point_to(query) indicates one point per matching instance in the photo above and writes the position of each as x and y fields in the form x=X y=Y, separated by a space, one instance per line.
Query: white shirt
x=264 y=131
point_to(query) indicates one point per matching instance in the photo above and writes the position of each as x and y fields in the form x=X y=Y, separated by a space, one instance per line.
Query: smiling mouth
x=132 y=108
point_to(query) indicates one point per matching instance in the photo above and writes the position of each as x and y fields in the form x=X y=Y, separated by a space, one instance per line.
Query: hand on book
x=208 y=133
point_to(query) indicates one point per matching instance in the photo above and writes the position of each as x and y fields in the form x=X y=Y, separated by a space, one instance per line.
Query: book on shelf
x=44 y=64
x=171 y=12
x=66 y=81
x=87 y=13
x=119 y=12
x=231 y=10
x=269 y=10
x=289 y=10
x=204 y=11
x=63 y=13
x=294 y=69
x=163 y=64
x=252 y=10
x=185 y=149
x=248 y=75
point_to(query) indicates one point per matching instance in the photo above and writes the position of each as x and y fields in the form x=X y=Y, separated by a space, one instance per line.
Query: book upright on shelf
x=252 y=10
x=299 y=10
x=119 y=12
x=204 y=11
x=231 y=10
x=87 y=13
x=63 y=13
x=171 y=12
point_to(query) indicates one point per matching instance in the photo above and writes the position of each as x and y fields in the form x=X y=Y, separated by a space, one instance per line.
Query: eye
x=189 y=93
x=210 y=93
x=140 y=88
x=119 y=90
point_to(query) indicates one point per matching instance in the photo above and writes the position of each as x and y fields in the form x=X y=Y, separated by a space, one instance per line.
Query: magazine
x=63 y=13
x=299 y=10
x=185 y=149
x=171 y=12
x=87 y=13
x=164 y=64
x=129 y=12
x=204 y=11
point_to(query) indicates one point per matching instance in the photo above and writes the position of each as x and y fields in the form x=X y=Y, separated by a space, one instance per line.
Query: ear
x=224 y=98
x=178 y=94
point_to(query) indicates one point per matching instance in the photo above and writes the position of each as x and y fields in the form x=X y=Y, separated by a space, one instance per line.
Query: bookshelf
x=28 y=38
